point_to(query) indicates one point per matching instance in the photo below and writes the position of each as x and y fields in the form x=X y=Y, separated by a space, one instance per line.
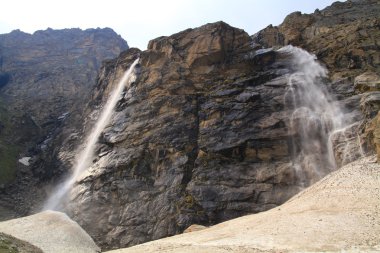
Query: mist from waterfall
x=314 y=117
x=85 y=156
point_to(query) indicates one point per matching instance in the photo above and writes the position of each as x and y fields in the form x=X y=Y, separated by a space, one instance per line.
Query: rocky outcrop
x=202 y=136
x=340 y=213
x=45 y=81
x=345 y=36
x=52 y=232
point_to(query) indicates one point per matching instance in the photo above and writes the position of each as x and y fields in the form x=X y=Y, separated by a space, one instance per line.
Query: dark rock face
x=45 y=81
x=202 y=136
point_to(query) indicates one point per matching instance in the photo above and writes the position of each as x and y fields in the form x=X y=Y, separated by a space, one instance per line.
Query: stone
x=344 y=36
x=347 y=196
x=368 y=81
x=370 y=104
x=372 y=135
x=194 y=227
x=52 y=232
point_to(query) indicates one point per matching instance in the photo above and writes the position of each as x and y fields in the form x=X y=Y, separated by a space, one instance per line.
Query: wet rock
x=344 y=36
x=368 y=81
x=370 y=104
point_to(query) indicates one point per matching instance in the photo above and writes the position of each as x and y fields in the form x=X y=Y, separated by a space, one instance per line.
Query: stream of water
x=314 y=119
x=85 y=157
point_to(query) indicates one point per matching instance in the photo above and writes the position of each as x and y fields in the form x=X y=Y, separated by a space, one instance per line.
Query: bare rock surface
x=204 y=134
x=52 y=232
x=345 y=36
x=340 y=213
x=201 y=136
x=45 y=78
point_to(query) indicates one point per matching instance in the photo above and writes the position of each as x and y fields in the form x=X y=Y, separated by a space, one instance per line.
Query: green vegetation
x=6 y=246
x=8 y=160
x=8 y=150
x=9 y=244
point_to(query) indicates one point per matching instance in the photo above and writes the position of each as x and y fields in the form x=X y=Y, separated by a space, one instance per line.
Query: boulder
x=52 y=232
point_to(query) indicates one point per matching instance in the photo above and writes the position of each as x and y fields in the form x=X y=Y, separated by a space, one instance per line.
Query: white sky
x=142 y=20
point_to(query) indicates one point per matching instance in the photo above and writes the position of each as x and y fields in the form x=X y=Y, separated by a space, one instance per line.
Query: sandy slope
x=340 y=213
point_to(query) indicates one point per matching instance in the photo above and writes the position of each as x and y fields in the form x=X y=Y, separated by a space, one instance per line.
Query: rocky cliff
x=45 y=79
x=204 y=134
x=345 y=36
x=311 y=221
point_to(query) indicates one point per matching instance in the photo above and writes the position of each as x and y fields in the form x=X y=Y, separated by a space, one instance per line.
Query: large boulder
x=52 y=232
x=340 y=213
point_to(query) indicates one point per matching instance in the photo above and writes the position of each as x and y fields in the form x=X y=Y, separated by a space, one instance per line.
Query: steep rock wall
x=202 y=136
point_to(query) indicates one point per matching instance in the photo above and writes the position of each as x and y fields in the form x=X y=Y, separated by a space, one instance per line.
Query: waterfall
x=84 y=159
x=315 y=117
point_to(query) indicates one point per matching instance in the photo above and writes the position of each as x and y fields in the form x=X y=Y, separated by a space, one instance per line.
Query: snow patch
x=25 y=160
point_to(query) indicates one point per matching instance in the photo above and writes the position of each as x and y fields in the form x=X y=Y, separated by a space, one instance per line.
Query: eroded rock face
x=202 y=136
x=347 y=196
x=345 y=36
x=45 y=81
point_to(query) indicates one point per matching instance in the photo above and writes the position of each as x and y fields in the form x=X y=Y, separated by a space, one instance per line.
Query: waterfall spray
x=314 y=118
x=84 y=159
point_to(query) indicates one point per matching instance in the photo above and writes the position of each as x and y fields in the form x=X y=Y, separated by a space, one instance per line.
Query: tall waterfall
x=315 y=116
x=84 y=159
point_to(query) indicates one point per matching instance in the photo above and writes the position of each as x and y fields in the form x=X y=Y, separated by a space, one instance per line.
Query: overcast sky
x=142 y=20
